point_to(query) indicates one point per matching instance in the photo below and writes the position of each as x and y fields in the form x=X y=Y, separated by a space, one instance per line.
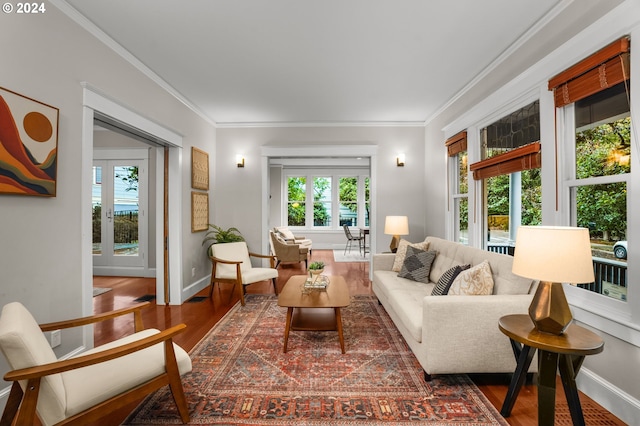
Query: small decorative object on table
x=316 y=281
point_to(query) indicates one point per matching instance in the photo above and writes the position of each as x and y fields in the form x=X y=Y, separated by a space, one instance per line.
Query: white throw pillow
x=401 y=253
x=474 y=281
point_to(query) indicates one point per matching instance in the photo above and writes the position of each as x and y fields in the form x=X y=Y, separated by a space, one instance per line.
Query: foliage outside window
x=348 y=194
x=367 y=202
x=296 y=196
x=461 y=198
x=322 y=201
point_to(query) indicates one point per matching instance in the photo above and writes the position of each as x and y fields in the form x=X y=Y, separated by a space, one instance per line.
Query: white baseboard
x=612 y=398
x=195 y=288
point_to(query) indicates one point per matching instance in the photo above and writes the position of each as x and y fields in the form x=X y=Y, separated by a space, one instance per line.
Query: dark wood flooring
x=201 y=314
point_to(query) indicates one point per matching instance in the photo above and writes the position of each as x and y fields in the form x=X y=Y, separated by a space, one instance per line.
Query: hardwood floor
x=202 y=314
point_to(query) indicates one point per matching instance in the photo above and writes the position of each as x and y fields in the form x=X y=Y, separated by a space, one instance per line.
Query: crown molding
x=90 y=27
x=283 y=124
x=533 y=30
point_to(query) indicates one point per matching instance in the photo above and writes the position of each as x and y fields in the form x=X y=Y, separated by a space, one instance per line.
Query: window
x=594 y=95
x=598 y=188
x=459 y=184
x=348 y=201
x=321 y=201
x=296 y=196
x=367 y=201
x=510 y=171
x=331 y=195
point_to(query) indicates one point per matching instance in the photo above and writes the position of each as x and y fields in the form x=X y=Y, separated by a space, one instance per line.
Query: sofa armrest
x=383 y=261
x=467 y=326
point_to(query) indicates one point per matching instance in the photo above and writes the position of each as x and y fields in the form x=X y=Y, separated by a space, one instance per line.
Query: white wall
x=399 y=189
x=47 y=57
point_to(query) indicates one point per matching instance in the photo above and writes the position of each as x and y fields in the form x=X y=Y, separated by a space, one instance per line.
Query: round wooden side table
x=564 y=352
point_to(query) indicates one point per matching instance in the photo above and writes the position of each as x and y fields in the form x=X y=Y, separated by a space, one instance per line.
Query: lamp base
x=394 y=243
x=549 y=309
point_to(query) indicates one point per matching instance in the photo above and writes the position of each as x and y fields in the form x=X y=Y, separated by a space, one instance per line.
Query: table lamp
x=553 y=255
x=396 y=226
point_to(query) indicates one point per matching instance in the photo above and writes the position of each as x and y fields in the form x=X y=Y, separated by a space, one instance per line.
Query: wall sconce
x=239 y=160
x=400 y=160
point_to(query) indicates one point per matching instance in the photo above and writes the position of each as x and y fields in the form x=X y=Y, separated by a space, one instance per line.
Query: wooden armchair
x=87 y=387
x=232 y=264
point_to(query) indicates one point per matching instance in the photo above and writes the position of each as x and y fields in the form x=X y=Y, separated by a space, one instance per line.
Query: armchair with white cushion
x=231 y=263
x=87 y=387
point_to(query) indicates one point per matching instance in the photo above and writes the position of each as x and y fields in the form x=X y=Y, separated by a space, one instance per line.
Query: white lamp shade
x=554 y=253
x=396 y=225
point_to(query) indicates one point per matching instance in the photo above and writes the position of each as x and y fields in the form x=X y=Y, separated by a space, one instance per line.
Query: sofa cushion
x=401 y=252
x=417 y=264
x=474 y=281
x=451 y=254
x=405 y=298
x=445 y=281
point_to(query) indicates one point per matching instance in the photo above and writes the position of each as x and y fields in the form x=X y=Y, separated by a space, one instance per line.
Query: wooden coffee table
x=314 y=310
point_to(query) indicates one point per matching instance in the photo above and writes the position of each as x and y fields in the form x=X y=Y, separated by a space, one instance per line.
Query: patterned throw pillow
x=417 y=264
x=401 y=253
x=445 y=281
x=475 y=281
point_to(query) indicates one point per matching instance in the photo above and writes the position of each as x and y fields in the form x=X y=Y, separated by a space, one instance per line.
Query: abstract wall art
x=28 y=145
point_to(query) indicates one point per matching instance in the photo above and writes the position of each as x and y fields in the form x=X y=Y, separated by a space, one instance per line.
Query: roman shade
x=456 y=144
x=605 y=68
x=524 y=158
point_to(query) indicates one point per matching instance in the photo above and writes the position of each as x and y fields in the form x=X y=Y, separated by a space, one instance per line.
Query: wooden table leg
x=287 y=328
x=547 y=368
x=524 y=361
x=569 y=367
x=339 y=326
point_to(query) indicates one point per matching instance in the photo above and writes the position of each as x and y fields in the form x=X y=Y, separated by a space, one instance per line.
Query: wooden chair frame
x=237 y=281
x=21 y=406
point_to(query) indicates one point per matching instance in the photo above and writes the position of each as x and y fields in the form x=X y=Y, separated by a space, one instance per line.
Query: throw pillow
x=401 y=253
x=474 y=281
x=445 y=281
x=417 y=264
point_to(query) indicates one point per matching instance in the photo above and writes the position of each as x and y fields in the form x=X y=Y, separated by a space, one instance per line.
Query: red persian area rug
x=241 y=376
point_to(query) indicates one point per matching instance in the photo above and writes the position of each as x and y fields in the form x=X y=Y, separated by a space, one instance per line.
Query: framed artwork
x=199 y=211
x=28 y=145
x=199 y=169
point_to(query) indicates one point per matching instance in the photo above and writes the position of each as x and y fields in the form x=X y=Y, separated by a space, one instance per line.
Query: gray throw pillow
x=417 y=264
x=444 y=283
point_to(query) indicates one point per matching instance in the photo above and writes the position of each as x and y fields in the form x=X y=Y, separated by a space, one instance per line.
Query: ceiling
x=302 y=61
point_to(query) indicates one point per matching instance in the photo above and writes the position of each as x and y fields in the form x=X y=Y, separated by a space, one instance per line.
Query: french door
x=119 y=215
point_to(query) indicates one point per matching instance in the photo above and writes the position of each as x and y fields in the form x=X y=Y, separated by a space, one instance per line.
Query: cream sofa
x=454 y=334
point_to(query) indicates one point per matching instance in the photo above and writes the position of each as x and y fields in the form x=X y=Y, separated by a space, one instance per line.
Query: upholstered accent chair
x=231 y=263
x=86 y=387
x=287 y=235
x=287 y=252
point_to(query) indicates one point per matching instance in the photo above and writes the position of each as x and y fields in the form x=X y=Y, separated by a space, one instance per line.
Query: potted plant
x=218 y=235
x=316 y=268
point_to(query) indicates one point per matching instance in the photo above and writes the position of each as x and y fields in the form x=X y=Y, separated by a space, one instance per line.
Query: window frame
x=591 y=307
x=335 y=175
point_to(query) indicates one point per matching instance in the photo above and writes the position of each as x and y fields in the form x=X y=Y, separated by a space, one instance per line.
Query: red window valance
x=456 y=143
x=605 y=68
x=524 y=158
